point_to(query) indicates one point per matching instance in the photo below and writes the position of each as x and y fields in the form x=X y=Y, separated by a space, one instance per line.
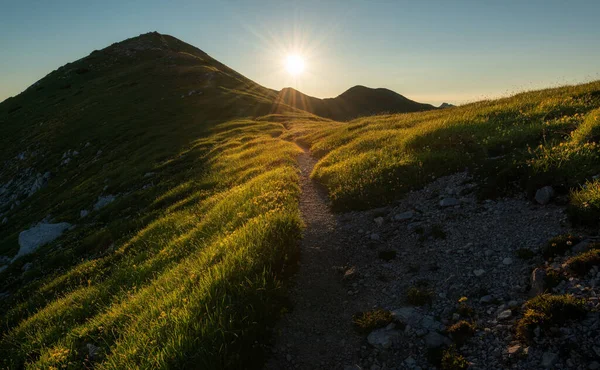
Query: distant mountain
x=446 y=105
x=355 y=102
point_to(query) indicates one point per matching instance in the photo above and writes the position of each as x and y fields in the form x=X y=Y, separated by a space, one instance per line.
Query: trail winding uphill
x=318 y=332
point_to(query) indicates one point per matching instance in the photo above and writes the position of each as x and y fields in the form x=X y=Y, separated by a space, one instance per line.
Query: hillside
x=160 y=210
x=355 y=102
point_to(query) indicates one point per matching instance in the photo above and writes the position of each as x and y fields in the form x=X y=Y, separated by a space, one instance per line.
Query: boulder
x=436 y=340
x=449 y=202
x=544 y=195
x=404 y=216
x=549 y=359
x=383 y=338
x=32 y=239
x=103 y=201
x=538 y=282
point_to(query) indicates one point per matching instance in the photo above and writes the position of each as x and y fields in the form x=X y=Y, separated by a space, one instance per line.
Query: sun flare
x=294 y=64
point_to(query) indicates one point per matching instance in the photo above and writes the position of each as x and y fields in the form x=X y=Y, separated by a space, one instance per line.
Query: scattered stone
x=507 y=261
x=436 y=340
x=449 y=202
x=544 y=195
x=83 y=213
x=479 y=272
x=404 y=216
x=374 y=236
x=486 y=299
x=148 y=174
x=538 y=282
x=103 y=201
x=32 y=239
x=382 y=338
x=504 y=315
x=4 y=220
x=92 y=351
x=379 y=221
x=515 y=350
x=549 y=359
x=26 y=267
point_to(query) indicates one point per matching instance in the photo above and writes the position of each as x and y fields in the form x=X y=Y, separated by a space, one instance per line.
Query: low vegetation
x=584 y=206
x=419 y=295
x=525 y=141
x=583 y=263
x=461 y=331
x=559 y=245
x=366 y=322
x=548 y=310
x=452 y=360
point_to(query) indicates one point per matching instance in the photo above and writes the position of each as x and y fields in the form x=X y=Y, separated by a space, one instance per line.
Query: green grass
x=366 y=322
x=583 y=263
x=584 y=205
x=187 y=271
x=187 y=267
x=559 y=245
x=525 y=141
x=548 y=310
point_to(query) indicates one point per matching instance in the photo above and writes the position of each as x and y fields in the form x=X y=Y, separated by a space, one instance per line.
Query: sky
x=429 y=51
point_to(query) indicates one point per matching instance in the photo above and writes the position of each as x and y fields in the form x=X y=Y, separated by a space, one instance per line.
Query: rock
x=148 y=174
x=4 y=220
x=514 y=350
x=83 y=213
x=374 y=236
x=549 y=359
x=382 y=338
x=404 y=216
x=582 y=246
x=2 y=268
x=594 y=365
x=486 y=299
x=436 y=340
x=543 y=195
x=429 y=323
x=350 y=274
x=506 y=314
x=32 y=239
x=38 y=183
x=103 y=201
x=26 y=267
x=408 y=315
x=507 y=261
x=479 y=272
x=449 y=202
x=538 y=283
x=409 y=361
x=379 y=221
x=92 y=351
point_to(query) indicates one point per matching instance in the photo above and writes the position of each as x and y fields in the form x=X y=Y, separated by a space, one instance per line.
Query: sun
x=294 y=64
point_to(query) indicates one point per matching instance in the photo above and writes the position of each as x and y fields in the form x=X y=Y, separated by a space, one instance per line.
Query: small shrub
x=418 y=295
x=461 y=332
x=525 y=253
x=464 y=309
x=387 y=255
x=366 y=322
x=547 y=310
x=584 y=262
x=559 y=245
x=584 y=205
x=452 y=360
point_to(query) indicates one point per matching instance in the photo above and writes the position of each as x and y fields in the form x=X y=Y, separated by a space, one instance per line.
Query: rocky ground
x=435 y=258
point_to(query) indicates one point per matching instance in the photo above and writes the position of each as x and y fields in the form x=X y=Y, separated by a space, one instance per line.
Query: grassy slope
x=532 y=139
x=184 y=268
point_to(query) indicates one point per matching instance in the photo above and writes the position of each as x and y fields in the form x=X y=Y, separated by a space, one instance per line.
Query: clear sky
x=430 y=51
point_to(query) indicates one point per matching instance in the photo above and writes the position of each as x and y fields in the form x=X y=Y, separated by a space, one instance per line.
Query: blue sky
x=430 y=51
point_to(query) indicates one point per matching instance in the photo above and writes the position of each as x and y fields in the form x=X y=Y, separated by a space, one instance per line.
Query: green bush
x=559 y=245
x=584 y=262
x=365 y=322
x=419 y=295
x=461 y=332
x=548 y=310
x=584 y=205
x=452 y=360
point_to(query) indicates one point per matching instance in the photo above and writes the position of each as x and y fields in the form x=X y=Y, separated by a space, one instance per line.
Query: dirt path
x=318 y=333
